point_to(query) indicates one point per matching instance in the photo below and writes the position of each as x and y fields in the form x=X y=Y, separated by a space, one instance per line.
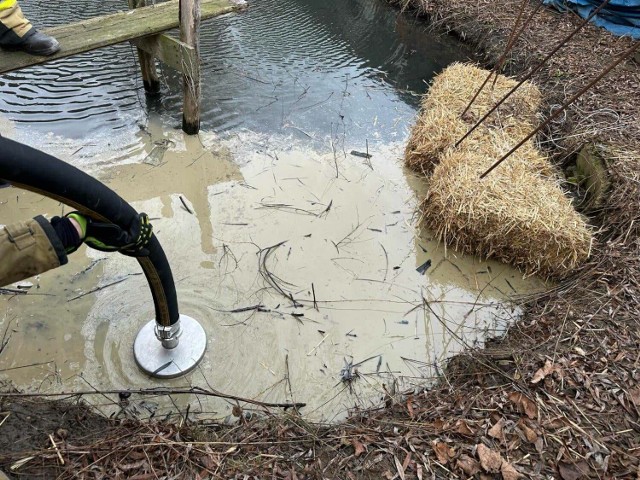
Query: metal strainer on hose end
x=159 y=352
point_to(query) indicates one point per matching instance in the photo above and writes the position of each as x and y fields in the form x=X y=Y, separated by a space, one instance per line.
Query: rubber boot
x=36 y=43
x=17 y=33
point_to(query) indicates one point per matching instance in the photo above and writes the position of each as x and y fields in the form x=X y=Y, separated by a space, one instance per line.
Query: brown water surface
x=255 y=222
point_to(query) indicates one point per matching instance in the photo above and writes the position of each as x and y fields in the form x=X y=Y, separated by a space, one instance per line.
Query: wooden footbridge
x=142 y=25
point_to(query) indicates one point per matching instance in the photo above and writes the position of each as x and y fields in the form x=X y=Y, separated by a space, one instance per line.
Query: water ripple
x=262 y=70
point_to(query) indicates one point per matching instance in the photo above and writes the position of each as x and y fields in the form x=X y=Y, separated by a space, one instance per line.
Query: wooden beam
x=147 y=61
x=190 y=15
x=111 y=29
x=170 y=51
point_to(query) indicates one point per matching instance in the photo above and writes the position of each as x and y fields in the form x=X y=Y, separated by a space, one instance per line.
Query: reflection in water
x=302 y=67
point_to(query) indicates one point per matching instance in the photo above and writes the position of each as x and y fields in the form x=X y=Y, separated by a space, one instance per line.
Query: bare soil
x=557 y=397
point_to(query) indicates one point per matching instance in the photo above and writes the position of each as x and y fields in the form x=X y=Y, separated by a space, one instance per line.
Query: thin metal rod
x=623 y=56
x=524 y=26
x=534 y=71
x=510 y=42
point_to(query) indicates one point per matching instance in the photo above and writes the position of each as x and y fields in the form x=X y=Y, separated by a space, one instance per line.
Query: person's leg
x=17 y=33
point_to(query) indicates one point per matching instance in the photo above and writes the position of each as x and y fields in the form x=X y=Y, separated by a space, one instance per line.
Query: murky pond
x=267 y=204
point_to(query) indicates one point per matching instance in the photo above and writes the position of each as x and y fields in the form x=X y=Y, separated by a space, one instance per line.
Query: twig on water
x=315 y=303
x=258 y=308
x=184 y=204
x=97 y=289
x=158 y=392
x=386 y=257
x=347 y=237
x=288 y=376
x=271 y=279
x=5 y=339
x=39 y=364
x=318 y=344
x=290 y=208
x=335 y=155
x=326 y=210
x=12 y=291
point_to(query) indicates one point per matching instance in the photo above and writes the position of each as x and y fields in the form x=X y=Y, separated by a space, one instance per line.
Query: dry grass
x=515 y=214
x=518 y=214
x=441 y=123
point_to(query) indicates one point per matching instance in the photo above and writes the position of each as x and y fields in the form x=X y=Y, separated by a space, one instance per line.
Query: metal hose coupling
x=169 y=335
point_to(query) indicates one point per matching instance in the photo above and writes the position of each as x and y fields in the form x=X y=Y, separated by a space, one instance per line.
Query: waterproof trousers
x=14 y=27
x=29 y=248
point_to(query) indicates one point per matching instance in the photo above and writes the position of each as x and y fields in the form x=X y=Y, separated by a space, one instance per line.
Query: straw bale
x=514 y=214
x=435 y=131
x=519 y=213
x=440 y=122
x=457 y=84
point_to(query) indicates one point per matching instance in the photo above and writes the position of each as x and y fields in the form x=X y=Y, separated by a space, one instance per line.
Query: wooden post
x=190 y=34
x=147 y=62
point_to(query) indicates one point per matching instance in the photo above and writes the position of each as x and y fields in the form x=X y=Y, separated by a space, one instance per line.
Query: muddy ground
x=557 y=397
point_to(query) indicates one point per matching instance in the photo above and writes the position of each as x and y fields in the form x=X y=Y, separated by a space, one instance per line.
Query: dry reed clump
x=441 y=123
x=514 y=214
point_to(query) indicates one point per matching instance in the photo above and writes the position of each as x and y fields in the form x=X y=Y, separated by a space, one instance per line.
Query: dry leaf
x=132 y=466
x=443 y=452
x=491 y=461
x=539 y=445
x=634 y=395
x=529 y=433
x=548 y=369
x=575 y=471
x=463 y=428
x=358 y=447
x=468 y=465
x=496 y=430
x=524 y=404
x=410 y=407
x=399 y=468
x=509 y=472
x=407 y=461
x=554 y=423
x=439 y=424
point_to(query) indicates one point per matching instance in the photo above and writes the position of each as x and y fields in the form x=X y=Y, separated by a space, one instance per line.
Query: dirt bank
x=558 y=397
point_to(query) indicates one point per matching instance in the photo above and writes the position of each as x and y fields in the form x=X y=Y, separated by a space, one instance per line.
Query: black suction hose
x=31 y=169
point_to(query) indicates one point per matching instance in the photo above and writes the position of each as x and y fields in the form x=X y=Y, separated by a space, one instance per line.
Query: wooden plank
x=111 y=29
x=170 y=51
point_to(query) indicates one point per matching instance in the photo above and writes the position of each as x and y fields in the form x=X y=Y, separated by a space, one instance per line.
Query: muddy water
x=267 y=204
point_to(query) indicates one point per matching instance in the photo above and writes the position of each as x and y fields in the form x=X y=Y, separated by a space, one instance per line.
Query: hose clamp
x=168 y=335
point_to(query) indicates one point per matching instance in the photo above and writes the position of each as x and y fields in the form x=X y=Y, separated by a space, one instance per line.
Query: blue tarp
x=620 y=17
